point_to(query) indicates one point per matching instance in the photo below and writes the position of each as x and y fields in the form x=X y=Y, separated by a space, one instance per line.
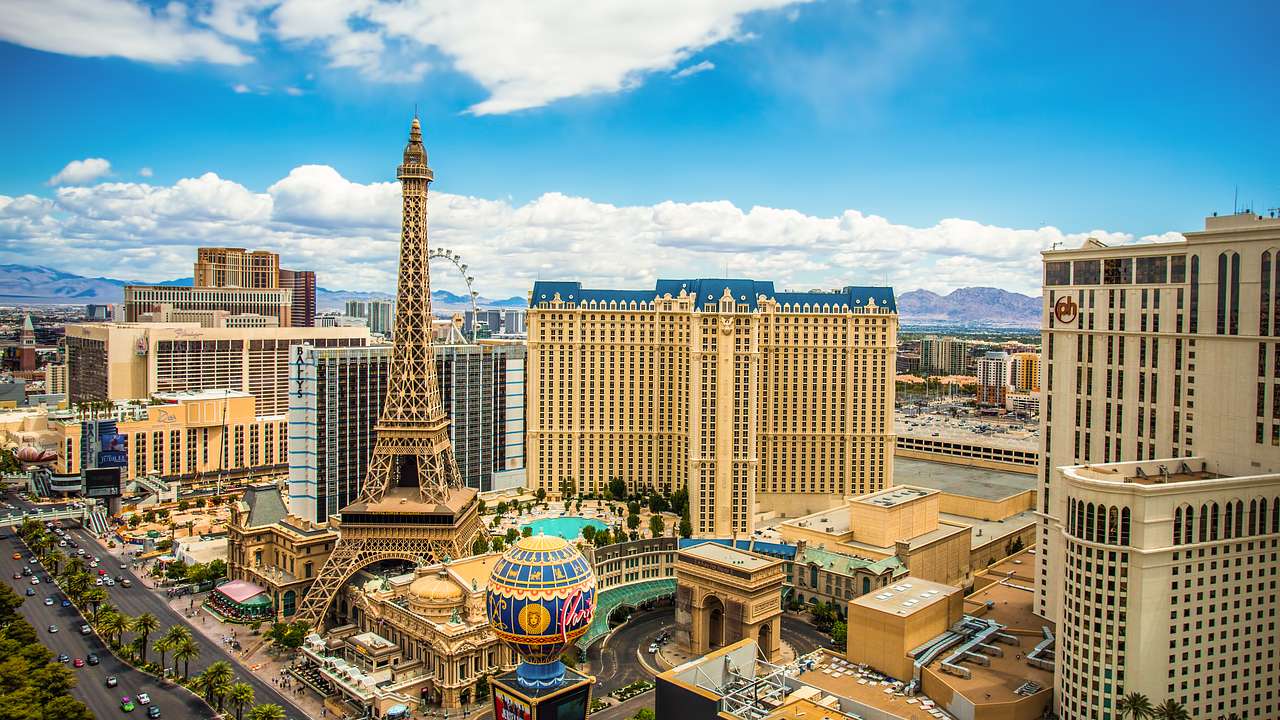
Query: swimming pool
x=568 y=528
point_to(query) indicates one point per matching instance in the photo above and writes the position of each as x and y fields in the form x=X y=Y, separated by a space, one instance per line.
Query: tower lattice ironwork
x=413 y=505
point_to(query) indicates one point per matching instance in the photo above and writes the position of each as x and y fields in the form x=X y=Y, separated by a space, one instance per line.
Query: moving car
x=144 y=699
x=35 y=581
x=92 y=659
x=112 y=681
x=126 y=704
x=31 y=592
x=63 y=658
x=78 y=663
x=126 y=583
x=85 y=629
x=153 y=712
x=53 y=628
x=17 y=556
x=66 y=603
x=17 y=576
x=48 y=601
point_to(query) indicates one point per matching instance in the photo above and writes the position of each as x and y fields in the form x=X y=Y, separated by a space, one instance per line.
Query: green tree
x=216 y=681
x=618 y=488
x=512 y=535
x=1134 y=706
x=686 y=525
x=526 y=531
x=95 y=598
x=162 y=646
x=541 y=495
x=1170 y=710
x=267 y=711
x=144 y=625
x=566 y=490
x=241 y=694
x=680 y=501
x=482 y=688
x=839 y=633
x=589 y=533
x=496 y=545
x=183 y=505
x=633 y=521
x=114 y=625
x=480 y=546
x=644 y=714
x=184 y=652
x=502 y=507
x=149 y=516
x=656 y=526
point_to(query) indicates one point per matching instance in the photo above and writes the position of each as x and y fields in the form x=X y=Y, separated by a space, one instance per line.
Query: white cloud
x=78 y=172
x=524 y=54
x=115 y=28
x=348 y=232
x=241 y=89
x=146 y=172
x=685 y=72
x=294 y=91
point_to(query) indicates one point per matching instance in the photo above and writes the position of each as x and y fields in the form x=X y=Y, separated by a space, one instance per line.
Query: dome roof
x=31 y=454
x=436 y=590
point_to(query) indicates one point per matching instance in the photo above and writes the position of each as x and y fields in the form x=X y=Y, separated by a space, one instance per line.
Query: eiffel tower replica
x=413 y=505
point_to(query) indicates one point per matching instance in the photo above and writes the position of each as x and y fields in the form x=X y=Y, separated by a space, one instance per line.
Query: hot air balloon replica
x=541 y=597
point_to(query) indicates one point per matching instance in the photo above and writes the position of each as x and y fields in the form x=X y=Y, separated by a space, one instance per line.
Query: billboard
x=113 y=450
x=102 y=482
x=509 y=707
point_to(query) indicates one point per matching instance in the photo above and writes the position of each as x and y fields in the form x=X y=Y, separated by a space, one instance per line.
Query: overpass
x=13 y=518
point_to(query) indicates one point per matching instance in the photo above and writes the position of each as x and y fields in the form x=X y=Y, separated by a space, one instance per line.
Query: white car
x=97 y=581
x=653 y=649
x=35 y=581
x=144 y=699
x=93 y=564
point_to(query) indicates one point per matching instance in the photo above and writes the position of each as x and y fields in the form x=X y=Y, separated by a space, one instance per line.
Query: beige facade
x=1026 y=372
x=893 y=623
x=1169 y=586
x=1158 y=350
x=436 y=618
x=144 y=303
x=270 y=548
x=902 y=522
x=754 y=400
x=724 y=595
x=127 y=361
x=236 y=268
x=55 y=378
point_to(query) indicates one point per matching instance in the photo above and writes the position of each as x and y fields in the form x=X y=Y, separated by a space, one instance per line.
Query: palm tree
x=144 y=625
x=114 y=625
x=216 y=681
x=267 y=712
x=54 y=559
x=96 y=598
x=1170 y=710
x=162 y=646
x=185 y=651
x=241 y=694
x=1134 y=706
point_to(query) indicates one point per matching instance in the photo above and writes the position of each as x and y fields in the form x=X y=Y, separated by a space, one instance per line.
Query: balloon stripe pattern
x=541 y=597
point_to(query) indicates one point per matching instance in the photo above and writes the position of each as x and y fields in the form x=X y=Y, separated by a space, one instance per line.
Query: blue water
x=568 y=528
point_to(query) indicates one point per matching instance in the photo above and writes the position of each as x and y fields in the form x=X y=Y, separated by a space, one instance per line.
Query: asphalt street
x=91 y=686
x=614 y=659
x=133 y=602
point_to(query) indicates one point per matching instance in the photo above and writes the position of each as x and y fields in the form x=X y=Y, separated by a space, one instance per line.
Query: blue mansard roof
x=711 y=290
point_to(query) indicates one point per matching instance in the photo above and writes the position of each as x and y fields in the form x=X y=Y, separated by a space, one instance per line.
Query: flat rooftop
x=835 y=521
x=848 y=685
x=1018 y=569
x=985 y=431
x=894 y=496
x=1152 y=473
x=725 y=555
x=907 y=596
x=984 y=530
x=962 y=480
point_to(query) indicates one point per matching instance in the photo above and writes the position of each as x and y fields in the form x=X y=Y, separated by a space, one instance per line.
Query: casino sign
x=1066 y=309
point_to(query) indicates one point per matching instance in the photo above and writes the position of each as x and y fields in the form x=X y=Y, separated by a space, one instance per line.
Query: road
x=91 y=686
x=613 y=660
x=139 y=599
x=803 y=637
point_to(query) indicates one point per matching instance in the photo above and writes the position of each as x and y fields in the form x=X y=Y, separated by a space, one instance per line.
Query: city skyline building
x=302 y=287
x=995 y=371
x=944 y=356
x=380 y=314
x=227 y=267
x=130 y=361
x=746 y=396
x=1156 y=353
x=151 y=303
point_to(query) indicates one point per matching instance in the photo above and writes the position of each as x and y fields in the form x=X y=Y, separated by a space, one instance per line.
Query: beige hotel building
x=755 y=400
x=1161 y=387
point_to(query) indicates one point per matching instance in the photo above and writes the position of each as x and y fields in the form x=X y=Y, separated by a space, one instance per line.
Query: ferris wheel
x=456 y=260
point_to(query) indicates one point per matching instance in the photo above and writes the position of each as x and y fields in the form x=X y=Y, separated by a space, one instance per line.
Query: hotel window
x=1153 y=270
x=1117 y=271
x=1085 y=272
x=1057 y=273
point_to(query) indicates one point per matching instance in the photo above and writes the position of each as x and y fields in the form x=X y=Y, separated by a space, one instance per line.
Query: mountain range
x=34 y=285
x=37 y=285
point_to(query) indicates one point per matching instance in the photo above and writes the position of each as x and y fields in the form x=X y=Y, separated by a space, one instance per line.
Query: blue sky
x=1012 y=117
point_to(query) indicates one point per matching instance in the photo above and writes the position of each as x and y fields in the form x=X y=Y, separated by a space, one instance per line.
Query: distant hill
x=36 y=285
x=974 y=305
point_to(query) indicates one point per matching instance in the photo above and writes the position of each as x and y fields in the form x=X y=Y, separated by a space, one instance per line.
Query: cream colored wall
x=993 y=510
x=945 y=561
x=875 y=525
